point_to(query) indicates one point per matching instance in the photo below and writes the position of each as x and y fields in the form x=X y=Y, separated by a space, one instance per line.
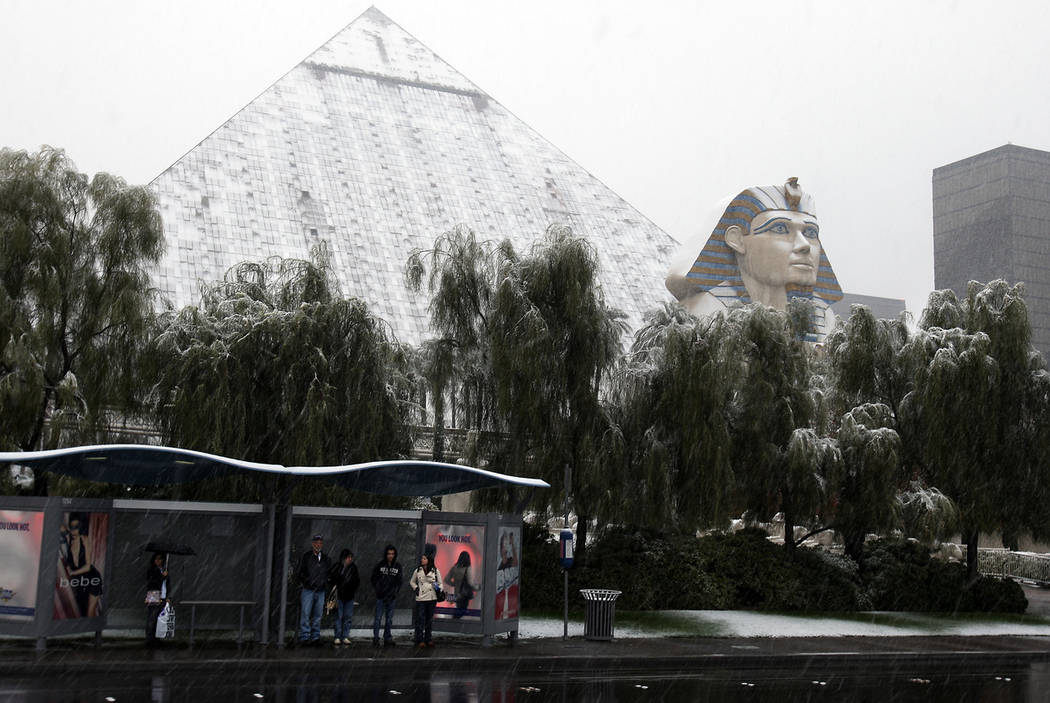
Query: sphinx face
x=782 y=248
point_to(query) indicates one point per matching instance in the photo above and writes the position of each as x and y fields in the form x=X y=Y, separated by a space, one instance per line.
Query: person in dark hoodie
x=345 y=579
x=386 y=580
x=314 y=567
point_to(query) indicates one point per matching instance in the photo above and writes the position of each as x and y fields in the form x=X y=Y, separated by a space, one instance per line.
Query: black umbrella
x=170 y=548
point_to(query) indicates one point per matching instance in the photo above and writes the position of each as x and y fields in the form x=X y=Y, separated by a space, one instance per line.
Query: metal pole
x=271 y=529
x=285 y=558
x=565 y=623
x=565 y=525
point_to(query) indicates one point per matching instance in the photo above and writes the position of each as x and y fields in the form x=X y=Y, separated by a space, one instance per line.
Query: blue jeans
x=344 y=616
x=311 y=606
x=383 y=607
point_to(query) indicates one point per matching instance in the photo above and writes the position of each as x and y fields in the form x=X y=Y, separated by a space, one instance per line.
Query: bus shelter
x=482 y=600
x=77 y=565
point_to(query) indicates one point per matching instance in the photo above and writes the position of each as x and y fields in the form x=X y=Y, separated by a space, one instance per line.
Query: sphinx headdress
x=715 y=269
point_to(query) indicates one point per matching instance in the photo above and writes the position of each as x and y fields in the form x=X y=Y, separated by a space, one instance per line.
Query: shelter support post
x=285 y=558
x=565 y=526
x=271 y=519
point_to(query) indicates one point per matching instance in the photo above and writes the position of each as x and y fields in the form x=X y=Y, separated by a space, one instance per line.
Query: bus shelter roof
x=149 y=465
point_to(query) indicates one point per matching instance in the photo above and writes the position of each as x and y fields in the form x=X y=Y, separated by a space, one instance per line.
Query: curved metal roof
x=147 y=465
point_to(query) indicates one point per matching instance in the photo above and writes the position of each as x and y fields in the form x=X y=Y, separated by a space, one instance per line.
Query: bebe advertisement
x=20 y=537
x=81 y=563
x=508 y=573
x=458 y=551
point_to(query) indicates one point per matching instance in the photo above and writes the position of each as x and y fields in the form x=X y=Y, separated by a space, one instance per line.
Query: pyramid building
x=374 y=146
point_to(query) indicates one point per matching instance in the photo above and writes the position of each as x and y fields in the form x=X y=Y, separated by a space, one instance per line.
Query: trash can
x=600 y=614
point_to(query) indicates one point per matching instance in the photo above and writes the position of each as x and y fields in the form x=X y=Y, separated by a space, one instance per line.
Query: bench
x=193 y=613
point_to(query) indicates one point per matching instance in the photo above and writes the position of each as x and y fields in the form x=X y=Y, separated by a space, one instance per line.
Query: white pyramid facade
x=375 y=145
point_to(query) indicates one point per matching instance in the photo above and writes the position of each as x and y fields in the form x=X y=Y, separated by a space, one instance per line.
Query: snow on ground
x=550 y=628
x=738 y=623
x=752 y=624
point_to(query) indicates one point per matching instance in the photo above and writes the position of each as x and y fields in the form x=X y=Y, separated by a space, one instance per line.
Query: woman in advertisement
x=84 y=578
x=462 y=590
x=426 y=584
x=508 y=551
x=507 y=575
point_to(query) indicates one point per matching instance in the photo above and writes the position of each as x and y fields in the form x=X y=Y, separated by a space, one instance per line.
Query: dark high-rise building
x=884 y=308
x=991 y=219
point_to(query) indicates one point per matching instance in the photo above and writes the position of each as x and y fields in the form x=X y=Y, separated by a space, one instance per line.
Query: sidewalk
x=746 y=624
x=669 y=641
x=645 y=641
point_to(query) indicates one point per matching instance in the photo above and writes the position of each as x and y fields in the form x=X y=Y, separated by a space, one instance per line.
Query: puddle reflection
x=857 y=683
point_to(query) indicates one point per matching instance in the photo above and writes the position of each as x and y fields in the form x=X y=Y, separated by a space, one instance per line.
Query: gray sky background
x=672 y=104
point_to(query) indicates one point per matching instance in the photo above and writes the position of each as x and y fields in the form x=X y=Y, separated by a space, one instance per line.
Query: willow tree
x=460 y=274
x=779 y=458
x=872 y=362
x=435 y=361
x=554 y=341
x=982 y=396
x=864 y=484
x=528 y=341
x=75 y=301
x=274 y=366
x=667 y=453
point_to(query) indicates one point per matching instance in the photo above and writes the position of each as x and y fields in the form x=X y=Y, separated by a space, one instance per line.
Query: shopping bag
x=166 y=622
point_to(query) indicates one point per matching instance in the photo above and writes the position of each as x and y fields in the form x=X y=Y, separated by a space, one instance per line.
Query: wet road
x=945 y=668
x=906 y=681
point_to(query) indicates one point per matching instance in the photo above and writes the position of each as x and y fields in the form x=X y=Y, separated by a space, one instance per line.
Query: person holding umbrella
x=157 y=591
x=158 y=584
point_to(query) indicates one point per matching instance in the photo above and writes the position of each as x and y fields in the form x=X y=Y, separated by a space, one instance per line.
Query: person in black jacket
x=345 y=579
x=158 y=588
x=386 y=580
x=314 y=567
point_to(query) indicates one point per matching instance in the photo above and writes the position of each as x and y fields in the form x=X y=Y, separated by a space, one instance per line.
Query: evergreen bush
x=745 y=571
x=901 y=575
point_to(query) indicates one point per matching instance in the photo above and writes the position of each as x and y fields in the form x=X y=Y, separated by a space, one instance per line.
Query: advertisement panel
x=21 y=532
x=81 y=562
x=458 y=554
x=508 y=572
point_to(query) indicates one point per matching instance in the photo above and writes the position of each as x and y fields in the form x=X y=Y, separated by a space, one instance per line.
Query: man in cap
x=314 y=567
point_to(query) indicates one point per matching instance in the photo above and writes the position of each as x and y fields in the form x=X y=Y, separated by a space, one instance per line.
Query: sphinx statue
x=762 y=246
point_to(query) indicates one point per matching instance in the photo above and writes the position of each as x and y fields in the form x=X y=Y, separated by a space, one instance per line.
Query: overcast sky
x=672 y=104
